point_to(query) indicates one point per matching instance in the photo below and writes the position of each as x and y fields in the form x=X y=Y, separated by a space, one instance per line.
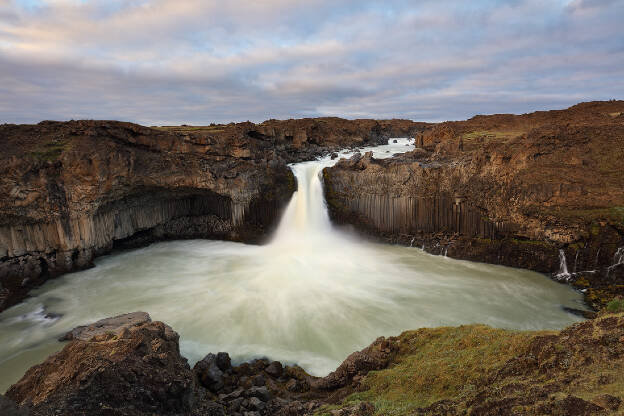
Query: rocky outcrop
x=524 y=191
x=72 y=191
x=132 y=369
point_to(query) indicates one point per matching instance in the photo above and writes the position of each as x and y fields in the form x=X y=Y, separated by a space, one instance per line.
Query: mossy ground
x=615 y=306
x=491 y=135
x=460 y=364
x=436 y=364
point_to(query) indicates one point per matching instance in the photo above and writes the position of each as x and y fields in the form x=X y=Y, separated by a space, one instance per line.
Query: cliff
x=74 y=190
x=504 y=189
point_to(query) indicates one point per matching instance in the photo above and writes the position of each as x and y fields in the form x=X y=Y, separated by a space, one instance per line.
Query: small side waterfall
x=618 y=258
x=563 y=273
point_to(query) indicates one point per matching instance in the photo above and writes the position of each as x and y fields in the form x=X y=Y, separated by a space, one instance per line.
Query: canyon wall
x=525 y=191
x=72 y=191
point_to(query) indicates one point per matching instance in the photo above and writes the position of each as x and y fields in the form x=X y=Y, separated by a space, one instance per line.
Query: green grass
x=436 y=364
x=616 y=305
x=50 y=151
x=491 y=134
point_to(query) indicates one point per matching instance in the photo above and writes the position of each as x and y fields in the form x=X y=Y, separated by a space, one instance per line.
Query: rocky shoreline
x=130 y=365
x=542 y=191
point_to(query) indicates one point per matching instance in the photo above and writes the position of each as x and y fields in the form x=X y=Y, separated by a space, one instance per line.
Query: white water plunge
x=311 y=296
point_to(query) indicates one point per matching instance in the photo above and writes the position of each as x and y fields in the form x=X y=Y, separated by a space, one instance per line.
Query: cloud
x=165 y=61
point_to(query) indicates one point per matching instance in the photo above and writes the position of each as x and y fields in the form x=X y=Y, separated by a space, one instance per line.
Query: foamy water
x=311 y=296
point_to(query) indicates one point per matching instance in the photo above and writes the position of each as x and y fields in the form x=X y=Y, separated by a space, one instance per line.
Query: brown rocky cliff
x=503 y=189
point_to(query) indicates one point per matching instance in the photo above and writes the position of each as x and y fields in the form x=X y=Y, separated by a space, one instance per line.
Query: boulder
x=134 y=370
x=261 y=393
x=209 y=374
x=223 y=361
x=275 y=369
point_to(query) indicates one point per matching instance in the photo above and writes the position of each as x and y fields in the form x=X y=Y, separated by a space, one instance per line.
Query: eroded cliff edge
x=129 y=365
x=70 y=191
x=519 y=190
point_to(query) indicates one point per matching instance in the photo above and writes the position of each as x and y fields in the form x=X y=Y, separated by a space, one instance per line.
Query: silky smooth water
x=311 y=296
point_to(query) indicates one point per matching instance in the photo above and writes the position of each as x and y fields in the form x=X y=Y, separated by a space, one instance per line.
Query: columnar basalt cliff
x=72 y=191
x=543 y=191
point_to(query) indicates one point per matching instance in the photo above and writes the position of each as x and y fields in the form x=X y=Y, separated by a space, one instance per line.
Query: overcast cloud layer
x=192 y=61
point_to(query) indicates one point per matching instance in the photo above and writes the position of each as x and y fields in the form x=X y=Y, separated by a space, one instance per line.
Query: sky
x=165 y=62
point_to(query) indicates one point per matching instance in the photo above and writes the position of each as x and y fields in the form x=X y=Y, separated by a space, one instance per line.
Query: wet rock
x=236 y=404
x=260 y=392
x=209 y=373
x=333 y=155
x=394 y=141
x=223 y=361
x=256 y=404
x=233 y=395
x=114 y=325
x=275 y=369
x=259 y=380
x=297 y=386
x=53 y=316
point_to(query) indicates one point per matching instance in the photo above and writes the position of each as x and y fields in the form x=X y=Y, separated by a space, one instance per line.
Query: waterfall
x=305 y=220
x=563 y=267
x=618 y=258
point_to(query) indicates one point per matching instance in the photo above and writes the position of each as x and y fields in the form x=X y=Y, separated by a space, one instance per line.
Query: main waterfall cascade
x=311 y=296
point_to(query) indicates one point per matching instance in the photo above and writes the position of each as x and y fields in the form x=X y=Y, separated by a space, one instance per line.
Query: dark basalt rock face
x=72 y=191
x=503 y=189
